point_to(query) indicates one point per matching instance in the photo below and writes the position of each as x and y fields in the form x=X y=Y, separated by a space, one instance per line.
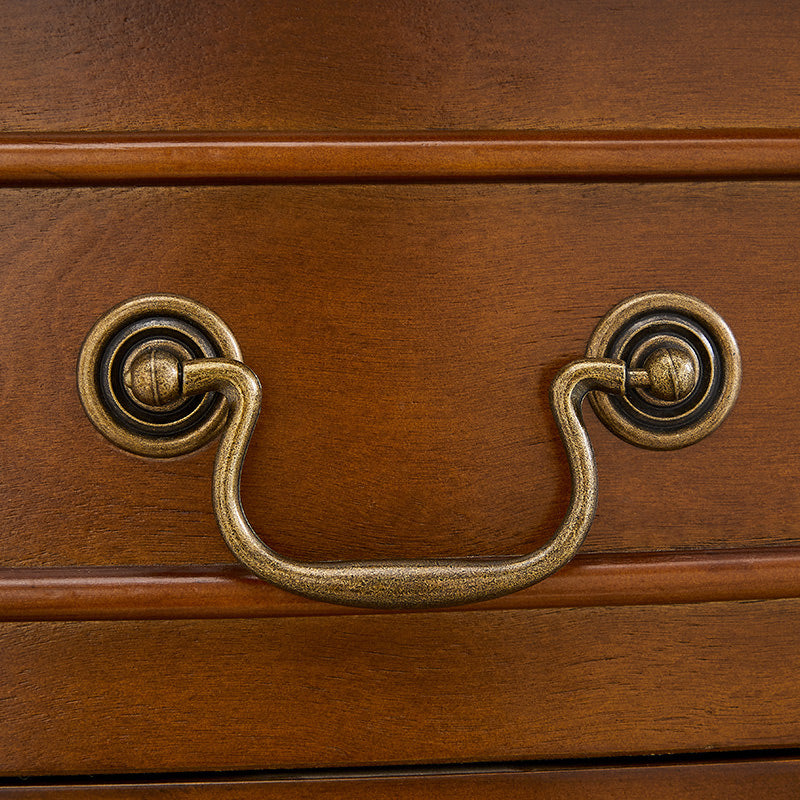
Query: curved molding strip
x=227 y=591
x=230 y=157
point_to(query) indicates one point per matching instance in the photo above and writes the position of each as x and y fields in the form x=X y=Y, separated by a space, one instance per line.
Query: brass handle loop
x=406 y=583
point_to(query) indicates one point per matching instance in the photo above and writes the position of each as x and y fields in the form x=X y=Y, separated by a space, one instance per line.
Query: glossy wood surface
x=231 y=592
x=406 y=337
x=312 y=65
x=777 y=779
x=103 y=697
x=226 y=157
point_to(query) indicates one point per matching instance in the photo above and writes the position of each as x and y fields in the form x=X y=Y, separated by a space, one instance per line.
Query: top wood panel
x=324 y=65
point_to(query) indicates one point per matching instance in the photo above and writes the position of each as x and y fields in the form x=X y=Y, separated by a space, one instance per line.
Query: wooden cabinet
x=411 y=216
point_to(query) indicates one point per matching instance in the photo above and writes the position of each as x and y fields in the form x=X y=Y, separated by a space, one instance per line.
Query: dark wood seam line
x=230 y=157
x=229 y=591
x=788 y=758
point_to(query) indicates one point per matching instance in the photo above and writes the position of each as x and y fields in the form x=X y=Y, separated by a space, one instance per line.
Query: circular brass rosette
x=127 y=335
x=689 y=347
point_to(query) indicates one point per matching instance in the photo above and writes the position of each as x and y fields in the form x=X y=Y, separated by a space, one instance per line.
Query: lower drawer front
x=177 y=696
x=777 y=779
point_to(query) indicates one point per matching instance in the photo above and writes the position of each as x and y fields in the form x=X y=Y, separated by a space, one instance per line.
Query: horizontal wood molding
x=228 y=157
x=228 y=592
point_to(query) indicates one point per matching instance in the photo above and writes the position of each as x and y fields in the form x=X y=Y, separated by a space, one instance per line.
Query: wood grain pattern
x=102 y=159
x=405 y=337
x=309 y=65
x=108 y=697
x=229 y=592
x=776 y=779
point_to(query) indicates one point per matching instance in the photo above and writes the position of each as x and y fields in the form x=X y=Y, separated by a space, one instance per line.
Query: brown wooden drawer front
x=397 y=689
x=405 y=337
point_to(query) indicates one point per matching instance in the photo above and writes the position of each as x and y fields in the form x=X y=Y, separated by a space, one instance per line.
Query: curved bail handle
x=402 y=583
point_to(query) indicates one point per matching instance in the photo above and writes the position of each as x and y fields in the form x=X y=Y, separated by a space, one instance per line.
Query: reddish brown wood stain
x=227 y=157
x=737 y=780
x=516 y=64
x=230 y=592
x=405 y=337
x=183 y=695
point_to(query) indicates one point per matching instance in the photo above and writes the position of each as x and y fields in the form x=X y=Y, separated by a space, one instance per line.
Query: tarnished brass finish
x=665 y=370
x=403 y=583
x=684 y=369
x=152 y=375
x=672 y=374
x=145 y=421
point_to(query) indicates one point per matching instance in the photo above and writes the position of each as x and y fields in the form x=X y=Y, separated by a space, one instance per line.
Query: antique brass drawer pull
x=675 y=372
